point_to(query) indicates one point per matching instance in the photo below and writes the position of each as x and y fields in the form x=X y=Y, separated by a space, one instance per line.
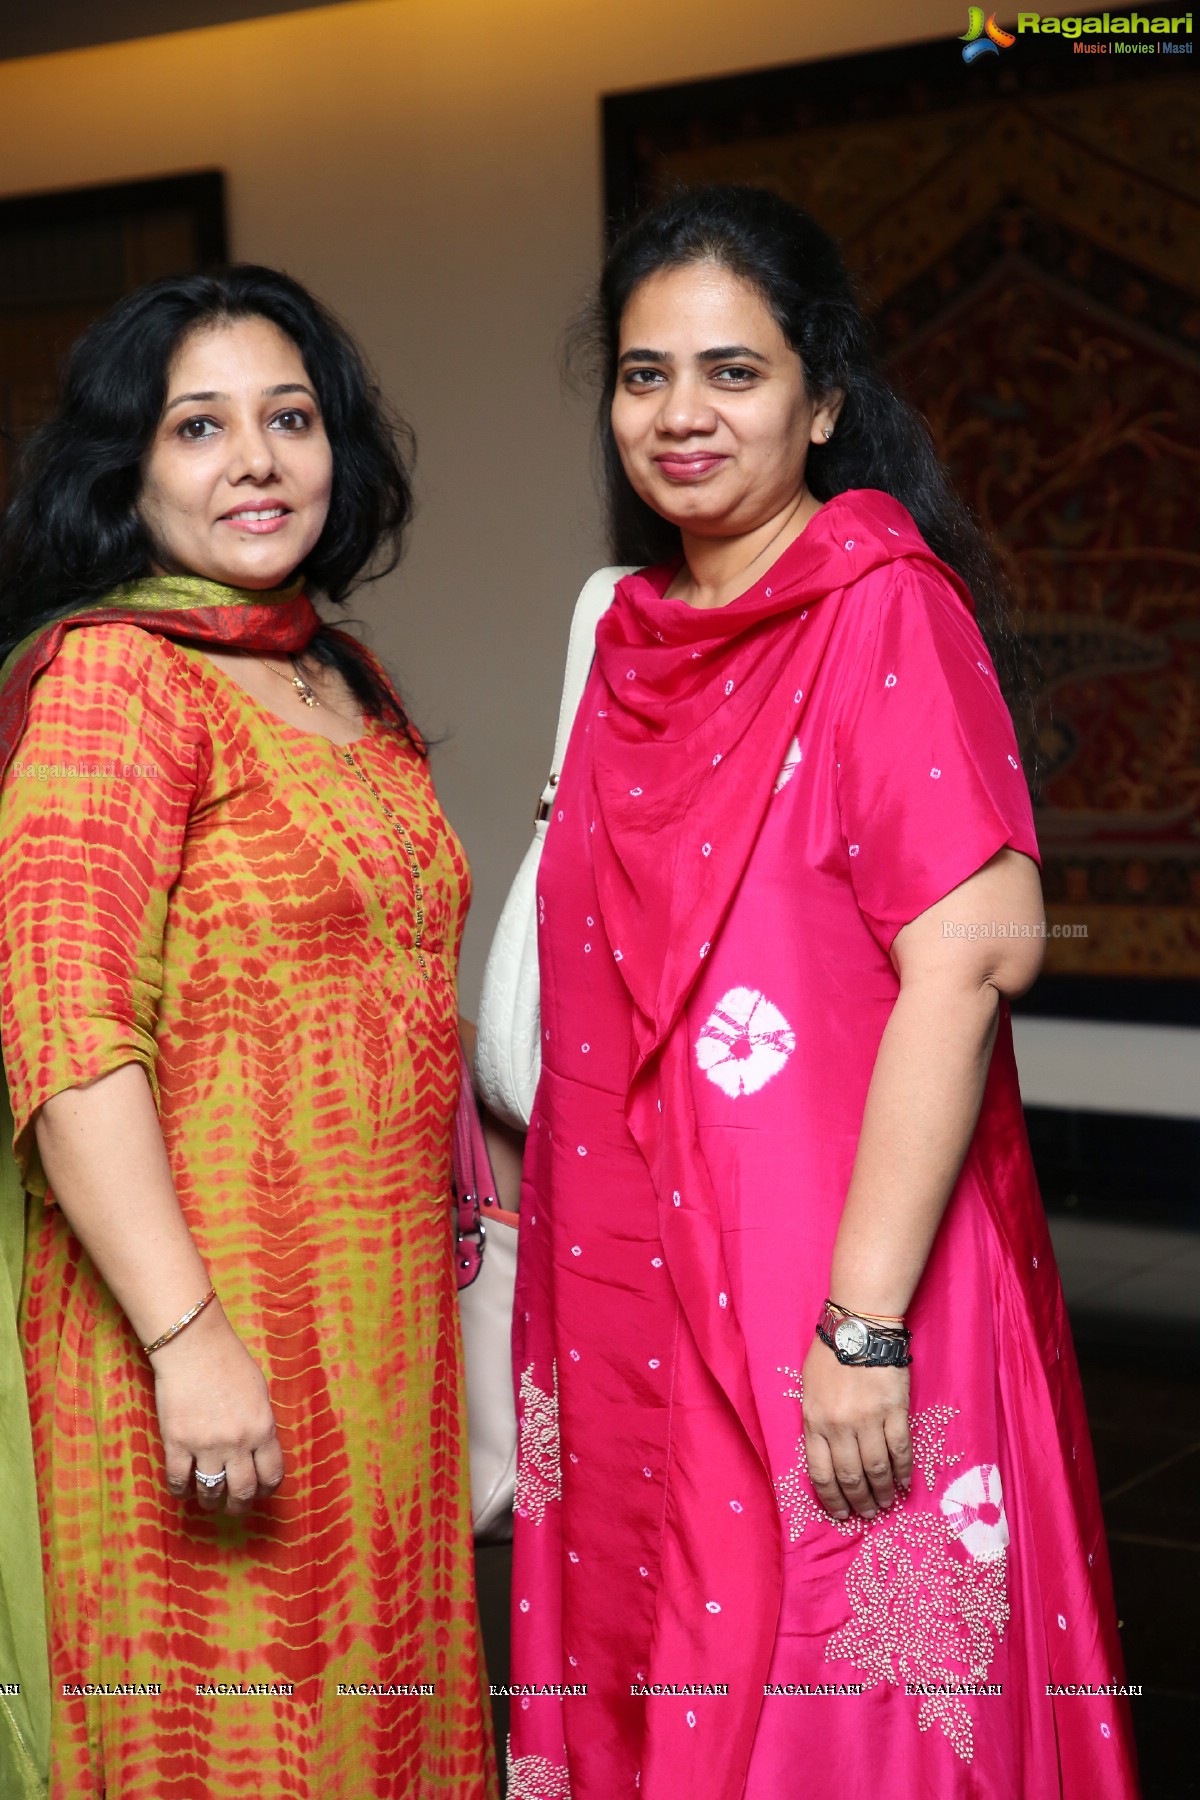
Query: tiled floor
x=1134 y=1297
x=1125 y=1271
x=1146 y=1435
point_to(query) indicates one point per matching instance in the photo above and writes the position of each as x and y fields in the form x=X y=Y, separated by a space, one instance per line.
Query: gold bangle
x=874 y=1318
x=179 y=1324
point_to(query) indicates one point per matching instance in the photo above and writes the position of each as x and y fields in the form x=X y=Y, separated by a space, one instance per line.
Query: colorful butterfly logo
x=983 y=38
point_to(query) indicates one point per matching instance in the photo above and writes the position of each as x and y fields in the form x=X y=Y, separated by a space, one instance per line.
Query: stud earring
x=828 y=433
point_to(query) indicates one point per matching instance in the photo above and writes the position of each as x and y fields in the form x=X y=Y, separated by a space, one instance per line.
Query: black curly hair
x=880 y=442
x=71 y=533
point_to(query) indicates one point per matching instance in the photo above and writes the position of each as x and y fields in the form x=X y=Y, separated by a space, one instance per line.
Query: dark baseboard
x=1125 y=1001
x=1125 y=1168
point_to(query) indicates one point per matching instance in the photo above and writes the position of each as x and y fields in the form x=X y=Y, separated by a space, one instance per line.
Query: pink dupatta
x=673 y=747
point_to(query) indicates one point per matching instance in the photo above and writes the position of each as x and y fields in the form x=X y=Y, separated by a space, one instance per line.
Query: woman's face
x=235 y=485
x=711 y=414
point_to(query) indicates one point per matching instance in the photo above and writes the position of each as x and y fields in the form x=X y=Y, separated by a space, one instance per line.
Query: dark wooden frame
x=67 y=255
x=201 y=193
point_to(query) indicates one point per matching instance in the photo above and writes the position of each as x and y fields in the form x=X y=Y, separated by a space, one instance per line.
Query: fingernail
x=867 y=1515
x=840 y=1515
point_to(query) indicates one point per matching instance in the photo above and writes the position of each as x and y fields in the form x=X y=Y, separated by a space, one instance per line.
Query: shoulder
x=915 y=598
x=123 y=669
x=889 y=564
x=111 y=651
x=911 y=644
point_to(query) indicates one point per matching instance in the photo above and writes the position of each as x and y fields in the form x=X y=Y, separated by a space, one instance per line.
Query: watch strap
x=878 y=1347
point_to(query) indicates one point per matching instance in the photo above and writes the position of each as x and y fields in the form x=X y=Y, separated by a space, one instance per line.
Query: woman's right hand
x=214 y=1413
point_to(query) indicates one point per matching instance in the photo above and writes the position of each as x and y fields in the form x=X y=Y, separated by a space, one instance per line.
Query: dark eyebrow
x=271 y=393
x=291 y=387
x=722 y=353
x=731 y=353
x=202 y=398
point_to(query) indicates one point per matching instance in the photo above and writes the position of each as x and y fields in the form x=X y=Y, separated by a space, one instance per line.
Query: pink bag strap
x=473 y=1182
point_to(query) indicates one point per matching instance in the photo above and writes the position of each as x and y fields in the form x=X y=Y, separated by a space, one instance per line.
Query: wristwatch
x=862 y=1344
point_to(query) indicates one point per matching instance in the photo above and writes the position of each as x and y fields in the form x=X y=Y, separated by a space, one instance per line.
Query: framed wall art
x=66 y=256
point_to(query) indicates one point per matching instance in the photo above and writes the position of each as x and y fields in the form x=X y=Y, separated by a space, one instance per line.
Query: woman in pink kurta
x=783 y=762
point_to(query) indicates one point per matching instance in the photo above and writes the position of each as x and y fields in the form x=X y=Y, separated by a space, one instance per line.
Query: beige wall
x=432 y=168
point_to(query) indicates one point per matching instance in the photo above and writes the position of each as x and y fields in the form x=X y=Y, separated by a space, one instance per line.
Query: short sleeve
x=929 y=781
x=94 y=810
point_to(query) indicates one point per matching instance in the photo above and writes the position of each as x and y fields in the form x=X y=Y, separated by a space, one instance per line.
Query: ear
x=825 y=418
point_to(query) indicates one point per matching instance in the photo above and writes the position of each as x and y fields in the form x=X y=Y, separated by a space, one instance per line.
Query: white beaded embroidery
x=918 y=1611
x=536 y=1778
x=918 y=1604
x=539 y=1457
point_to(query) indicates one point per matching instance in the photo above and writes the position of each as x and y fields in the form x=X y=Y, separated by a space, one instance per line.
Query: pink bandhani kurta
x=755 y=800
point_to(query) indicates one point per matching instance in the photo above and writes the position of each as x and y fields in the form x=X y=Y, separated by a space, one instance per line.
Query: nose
x=686 y=410
x=252 y=455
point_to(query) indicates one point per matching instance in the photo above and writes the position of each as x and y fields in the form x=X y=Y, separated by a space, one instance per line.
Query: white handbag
x=485 y=1313
x=508 y=1055
x=486 y=1266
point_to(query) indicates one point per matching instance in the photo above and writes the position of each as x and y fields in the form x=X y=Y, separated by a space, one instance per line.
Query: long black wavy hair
x=71 y=531
x=880 y=441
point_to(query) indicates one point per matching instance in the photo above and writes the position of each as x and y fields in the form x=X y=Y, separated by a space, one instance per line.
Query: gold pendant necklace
x=305 y=690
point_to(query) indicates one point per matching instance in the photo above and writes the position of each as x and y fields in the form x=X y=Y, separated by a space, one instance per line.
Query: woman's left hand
x=856 y=1435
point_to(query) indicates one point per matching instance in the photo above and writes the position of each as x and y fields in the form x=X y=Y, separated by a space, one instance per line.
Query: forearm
x=921 y=1109
x=103 y=1153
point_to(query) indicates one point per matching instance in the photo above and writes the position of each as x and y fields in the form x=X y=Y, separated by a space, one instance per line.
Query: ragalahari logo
x=984 y=39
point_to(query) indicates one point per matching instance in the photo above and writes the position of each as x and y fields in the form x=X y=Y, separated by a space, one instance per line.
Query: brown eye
x=194 y=431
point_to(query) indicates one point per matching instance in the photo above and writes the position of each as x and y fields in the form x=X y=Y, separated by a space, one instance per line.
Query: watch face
x=851 y=1337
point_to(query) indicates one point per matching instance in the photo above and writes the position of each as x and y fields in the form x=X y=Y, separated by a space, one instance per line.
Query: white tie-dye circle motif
x=791 y=762
x=974 y=1508
x=744 y=1043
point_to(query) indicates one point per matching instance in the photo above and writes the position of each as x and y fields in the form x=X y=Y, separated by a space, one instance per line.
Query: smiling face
x=711 y=414
x=235 y=485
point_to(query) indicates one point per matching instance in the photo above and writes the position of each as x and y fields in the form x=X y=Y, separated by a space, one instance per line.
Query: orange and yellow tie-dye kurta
x=194 y=885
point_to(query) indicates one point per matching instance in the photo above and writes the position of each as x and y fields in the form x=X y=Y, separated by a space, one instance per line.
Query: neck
x=717 y=569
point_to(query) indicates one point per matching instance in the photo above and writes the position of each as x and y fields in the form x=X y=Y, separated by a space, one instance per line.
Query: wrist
x=859 y=1341
x=871 y=1293
x=865 y=1312
x=209 y=1324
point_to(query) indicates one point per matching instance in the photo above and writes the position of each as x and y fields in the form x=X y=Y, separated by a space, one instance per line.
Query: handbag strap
x=593 y=602
x=471 y=1171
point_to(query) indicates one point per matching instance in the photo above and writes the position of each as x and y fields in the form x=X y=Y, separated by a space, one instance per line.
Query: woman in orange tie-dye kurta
x=251 y=901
